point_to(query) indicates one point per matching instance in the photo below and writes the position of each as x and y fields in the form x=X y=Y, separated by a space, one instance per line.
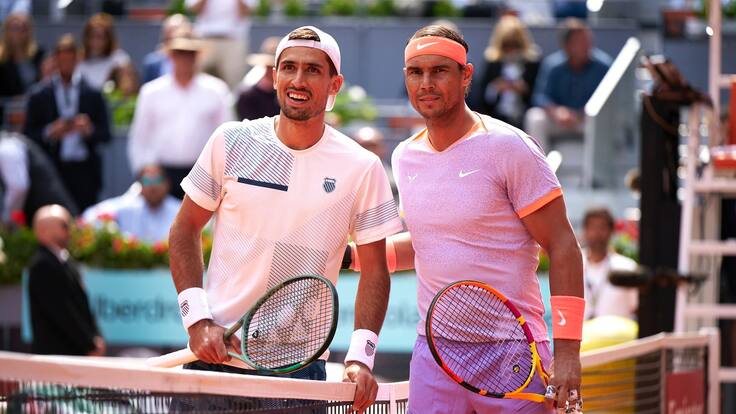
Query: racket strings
x=480 y=340
x=291 y=326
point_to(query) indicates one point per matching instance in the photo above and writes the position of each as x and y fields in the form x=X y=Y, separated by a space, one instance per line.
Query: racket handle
x=172 y=359
x=231 y=330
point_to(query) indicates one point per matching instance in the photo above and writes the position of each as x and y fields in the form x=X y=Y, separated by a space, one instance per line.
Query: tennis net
x=53 y=384
x=664 y=373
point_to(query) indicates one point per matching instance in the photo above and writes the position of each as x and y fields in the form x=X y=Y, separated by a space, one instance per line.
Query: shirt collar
x=61 y=253
x=76 y=79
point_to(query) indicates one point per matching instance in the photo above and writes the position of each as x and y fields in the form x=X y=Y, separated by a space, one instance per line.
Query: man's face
x=184 y=63
x=578 y=47
x=436 y=84
x=303 y=82
x=154 y=187
x=59 y=231
x=97 y=40
x=66 y=61
x=597 y=233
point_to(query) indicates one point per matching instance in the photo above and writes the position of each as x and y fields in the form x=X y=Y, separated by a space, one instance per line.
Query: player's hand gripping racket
x=482 y=342
x=288 y=328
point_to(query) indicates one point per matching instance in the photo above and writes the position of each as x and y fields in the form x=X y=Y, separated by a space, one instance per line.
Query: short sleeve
x=530 y=182
x=396 y=173
x=375 y=215
x=204 y=182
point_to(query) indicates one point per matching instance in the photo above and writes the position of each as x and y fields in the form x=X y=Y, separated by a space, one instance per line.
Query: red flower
x=117 y=245
x=106 y=216
x=131 y=241
x=160 y=247
x=18 y=217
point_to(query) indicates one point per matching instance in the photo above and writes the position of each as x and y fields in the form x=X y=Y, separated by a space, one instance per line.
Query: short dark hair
x=305 y=33
x=571 y=26
x=599 y=212
x=441 y=30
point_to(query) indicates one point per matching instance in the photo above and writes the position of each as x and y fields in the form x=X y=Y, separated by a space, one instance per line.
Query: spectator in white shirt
x=148 y=217
x=176 y=114
x=100 y=51
x=603 y=298
x=224 y=26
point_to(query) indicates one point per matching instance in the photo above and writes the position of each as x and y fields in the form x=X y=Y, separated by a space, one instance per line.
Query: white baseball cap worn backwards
x=326 y=43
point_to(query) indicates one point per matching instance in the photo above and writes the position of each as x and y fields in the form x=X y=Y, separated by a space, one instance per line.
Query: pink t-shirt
x=463 y=207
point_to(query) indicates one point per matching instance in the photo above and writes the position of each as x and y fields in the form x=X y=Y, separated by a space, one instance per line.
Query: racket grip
x=172 y=359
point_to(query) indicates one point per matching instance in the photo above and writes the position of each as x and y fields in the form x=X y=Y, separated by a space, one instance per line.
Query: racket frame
x=244 y=321
x=537 y=365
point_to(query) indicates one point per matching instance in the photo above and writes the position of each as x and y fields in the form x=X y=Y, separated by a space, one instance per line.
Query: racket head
x=291 y=325
x=481 y=340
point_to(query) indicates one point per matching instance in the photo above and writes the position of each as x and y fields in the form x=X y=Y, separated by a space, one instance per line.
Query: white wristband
x=193 y=306
x=363 y=344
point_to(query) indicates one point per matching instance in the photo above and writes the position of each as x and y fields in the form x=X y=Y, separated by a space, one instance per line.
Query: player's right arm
x=187 y=267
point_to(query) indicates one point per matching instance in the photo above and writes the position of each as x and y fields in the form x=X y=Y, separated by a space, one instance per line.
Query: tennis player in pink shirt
x=479 y=199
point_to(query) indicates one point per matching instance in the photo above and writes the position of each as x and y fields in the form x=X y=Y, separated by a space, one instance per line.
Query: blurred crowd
x=59 y=103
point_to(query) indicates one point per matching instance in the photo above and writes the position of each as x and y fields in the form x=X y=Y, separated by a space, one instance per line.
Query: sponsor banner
x=139 y=307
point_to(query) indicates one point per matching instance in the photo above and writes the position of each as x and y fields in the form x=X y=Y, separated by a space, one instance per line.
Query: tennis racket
x=479 y=338
x=288 y=328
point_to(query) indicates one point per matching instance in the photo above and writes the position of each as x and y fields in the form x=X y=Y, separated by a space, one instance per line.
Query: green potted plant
x=340 y=8
x=294 y=8
x=382 y=8
x=445 y=8
x=263 y=8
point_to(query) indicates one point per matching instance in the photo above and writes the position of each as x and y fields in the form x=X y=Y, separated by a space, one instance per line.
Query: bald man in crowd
x=371 y=138
x=61 y=318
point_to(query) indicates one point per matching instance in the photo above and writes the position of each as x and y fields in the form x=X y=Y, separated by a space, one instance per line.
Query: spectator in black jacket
x=512 y=62
x=61 y=318
x=69 y=120
x=28 y=179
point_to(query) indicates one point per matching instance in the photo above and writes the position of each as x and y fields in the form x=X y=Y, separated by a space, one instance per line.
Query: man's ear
x=336 y=84
x=468 y=71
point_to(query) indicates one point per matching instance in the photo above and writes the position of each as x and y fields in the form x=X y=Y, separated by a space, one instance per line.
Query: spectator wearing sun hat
x=176 y=113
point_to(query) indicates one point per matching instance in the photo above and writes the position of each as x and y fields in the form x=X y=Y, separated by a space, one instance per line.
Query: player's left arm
x=550 y=227
x=370 y=309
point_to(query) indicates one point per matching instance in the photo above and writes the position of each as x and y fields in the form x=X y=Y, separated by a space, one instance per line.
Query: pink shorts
x=431 y=390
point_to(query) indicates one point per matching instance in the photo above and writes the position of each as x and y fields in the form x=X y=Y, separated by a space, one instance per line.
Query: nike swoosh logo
x=412 y=177
x=562 y=321
x=422 y=46
x=465 y=174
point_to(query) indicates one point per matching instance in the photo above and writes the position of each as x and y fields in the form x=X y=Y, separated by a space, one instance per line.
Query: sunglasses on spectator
x=146 y=181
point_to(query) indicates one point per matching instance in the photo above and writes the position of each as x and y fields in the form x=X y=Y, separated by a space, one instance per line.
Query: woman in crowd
x=100 y=52
x=512 y=62
x=20 y=59
x=121 y=91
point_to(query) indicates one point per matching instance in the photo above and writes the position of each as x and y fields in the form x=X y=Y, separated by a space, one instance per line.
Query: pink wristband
x=355 y=260
x=390 y=256
x=567 y=317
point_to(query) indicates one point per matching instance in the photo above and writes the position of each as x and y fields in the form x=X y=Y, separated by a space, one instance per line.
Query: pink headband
x=435 y=45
